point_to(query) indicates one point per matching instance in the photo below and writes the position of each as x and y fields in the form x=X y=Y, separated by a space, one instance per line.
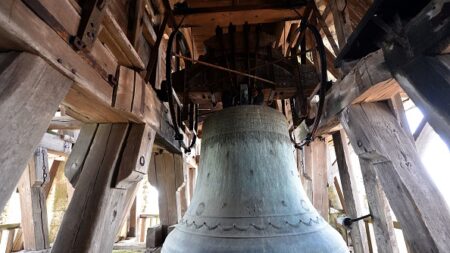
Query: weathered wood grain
x=166 y=174
x=77 y=158
x=319 y=177
x=30 y=92
x=353 y=204
x=419 y=206
x=98 y=209
x=33 y=211
x=64 y=122
x=136 y=155
x=383 y=226
x=83 y=222
x=370 y=80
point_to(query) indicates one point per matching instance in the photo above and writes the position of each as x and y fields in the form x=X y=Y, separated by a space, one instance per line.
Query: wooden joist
x=31 y=91
x=417 y=203
x=237 y=16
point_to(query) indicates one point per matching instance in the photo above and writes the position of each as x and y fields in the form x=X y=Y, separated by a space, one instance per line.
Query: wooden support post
x=166 y=174
x=425 y=80
x=341 y=21
x=350 y=189
x=10 y=241
x=383 y=225
x=30 y=92
x=419 y=206
x=97 y=209
x=60 y=200
x=369 y=239
x=192 y=179
x=181 y=200
x=396 y=105
x=32 y=202
x=304 y=165
x=319 y=177
x=133 y=219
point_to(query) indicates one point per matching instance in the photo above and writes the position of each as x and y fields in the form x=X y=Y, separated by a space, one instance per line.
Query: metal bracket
x=91 y=17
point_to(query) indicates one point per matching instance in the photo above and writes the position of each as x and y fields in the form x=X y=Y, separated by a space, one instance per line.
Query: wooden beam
x=166 y=174
x=29 y=32
x=31 y=91
x=341 y=21
x=319 y=177
x=383 y=225
x=26 y=31
x=56 y=144
x=192 y=179
x=419 y=206
x=339 y=193
x=181 y=200
x=224 y=17
x=396 y=105
x=425 y=80
x=304 y=165
x=32 y=203
x=370 y=80
x=64 y=123
x=123 y=45
x=97 y=209
x=350 y=189
x=52 y=174
x=133 y=220
x=10 y=241
x=326 y=30
x=77 y=158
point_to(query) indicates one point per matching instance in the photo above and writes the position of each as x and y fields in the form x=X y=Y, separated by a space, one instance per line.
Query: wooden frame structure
x=107 y=75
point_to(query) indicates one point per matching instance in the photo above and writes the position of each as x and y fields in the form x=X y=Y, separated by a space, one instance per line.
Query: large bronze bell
x=248 y=196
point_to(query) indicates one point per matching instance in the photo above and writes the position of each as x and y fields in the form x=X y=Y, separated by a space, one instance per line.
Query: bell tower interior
x=224 y=126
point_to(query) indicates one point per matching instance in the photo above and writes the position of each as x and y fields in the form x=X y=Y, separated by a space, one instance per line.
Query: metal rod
x=362 y=217
x=225 y=69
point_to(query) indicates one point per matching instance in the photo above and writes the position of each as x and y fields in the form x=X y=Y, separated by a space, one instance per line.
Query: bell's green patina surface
x=248 y=196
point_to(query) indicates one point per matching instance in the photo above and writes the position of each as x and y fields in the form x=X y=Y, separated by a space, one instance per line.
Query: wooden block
x=130 y=57
x=125 y=89
x=136 y=156
x=154 y=237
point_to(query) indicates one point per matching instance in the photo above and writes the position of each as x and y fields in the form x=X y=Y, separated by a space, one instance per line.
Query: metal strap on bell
x=249 y=196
